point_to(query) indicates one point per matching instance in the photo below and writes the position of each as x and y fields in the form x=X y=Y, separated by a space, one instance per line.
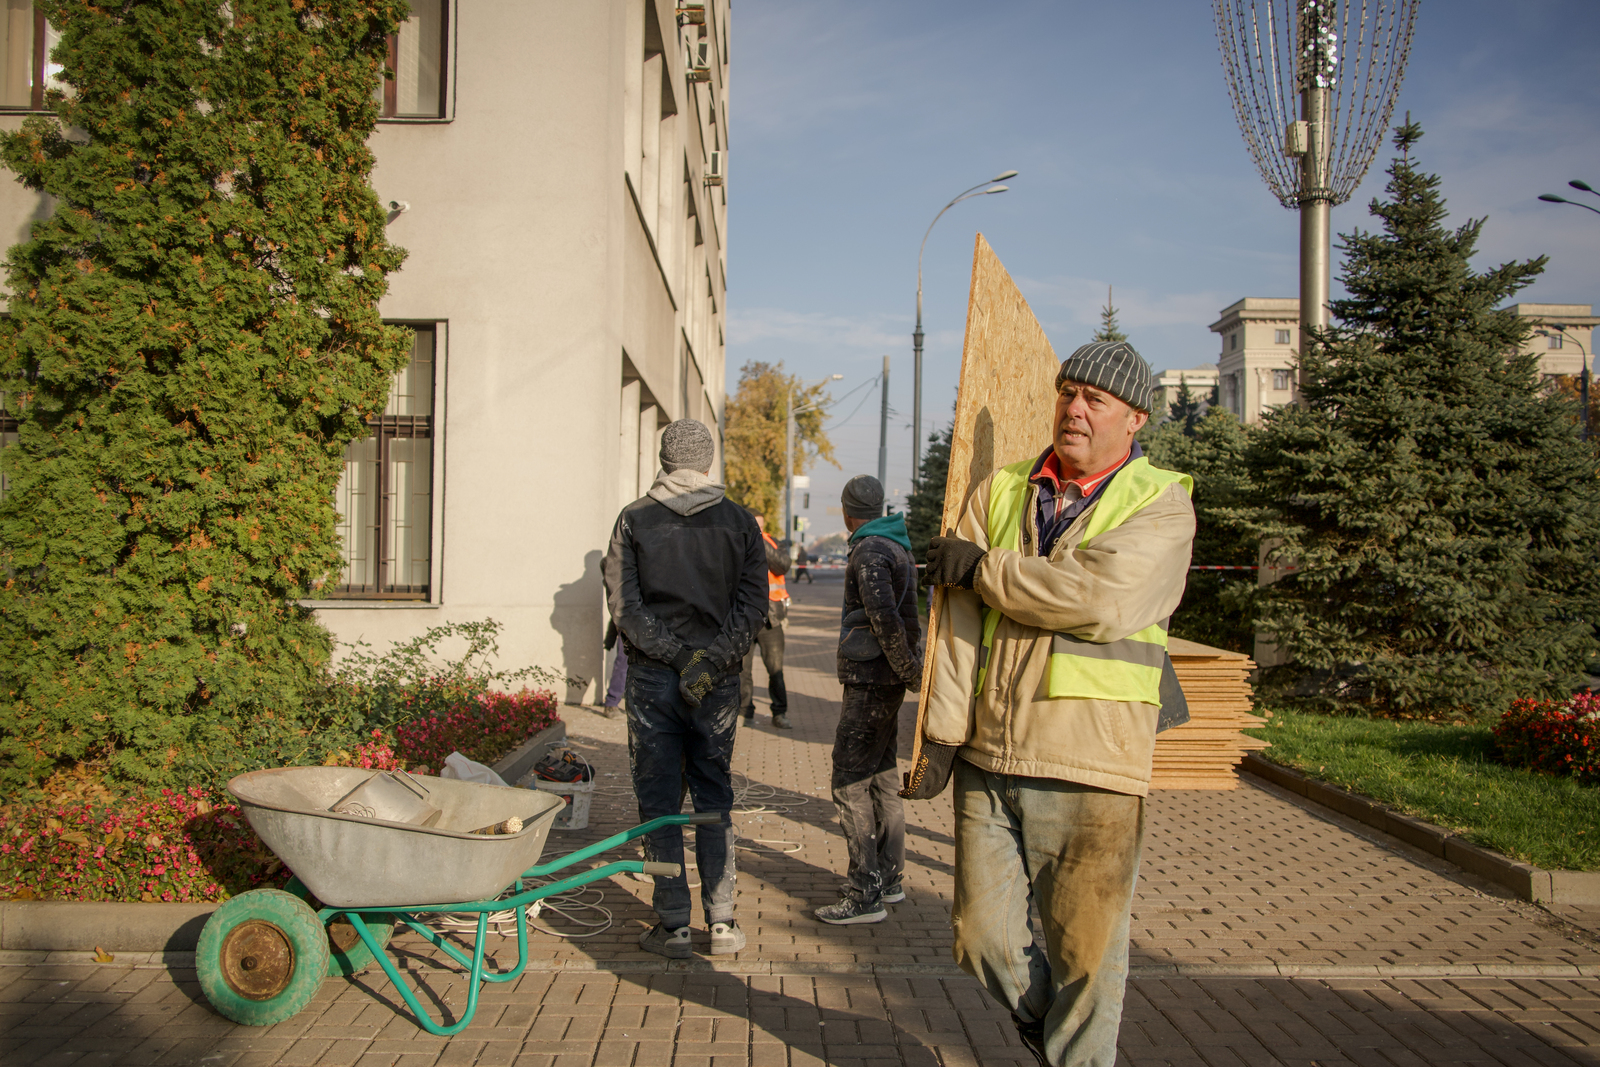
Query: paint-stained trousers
x=670 y=743
x=866 y=789
x=1076 y=850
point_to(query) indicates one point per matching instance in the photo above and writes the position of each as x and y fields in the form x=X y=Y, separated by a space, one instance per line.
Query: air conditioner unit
x=714 y=169
x=691 y=13
x=700 y=61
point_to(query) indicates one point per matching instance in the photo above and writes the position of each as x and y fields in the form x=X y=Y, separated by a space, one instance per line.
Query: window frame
x=1281 y=337
x=389 y=428
x=1283 y=376
x=447 y=66
x=36 y=80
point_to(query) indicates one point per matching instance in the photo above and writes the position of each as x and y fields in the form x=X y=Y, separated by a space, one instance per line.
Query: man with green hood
x=880 y=657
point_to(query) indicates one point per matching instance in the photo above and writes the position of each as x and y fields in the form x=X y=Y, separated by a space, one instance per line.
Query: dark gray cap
x=687 y=445
x=1115 y=367
x=862 y=497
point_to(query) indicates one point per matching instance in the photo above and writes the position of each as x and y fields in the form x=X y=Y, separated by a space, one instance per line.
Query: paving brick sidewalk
x=1263 y=933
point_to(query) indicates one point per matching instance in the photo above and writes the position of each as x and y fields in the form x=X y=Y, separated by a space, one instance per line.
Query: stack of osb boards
x=1204 y=752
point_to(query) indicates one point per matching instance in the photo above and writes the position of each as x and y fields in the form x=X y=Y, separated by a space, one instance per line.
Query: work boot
x=849 y=911
x=673 y=944
x=780 y=721
x=726 y=937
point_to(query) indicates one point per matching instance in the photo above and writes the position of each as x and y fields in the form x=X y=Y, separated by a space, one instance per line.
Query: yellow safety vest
x=1128 y=670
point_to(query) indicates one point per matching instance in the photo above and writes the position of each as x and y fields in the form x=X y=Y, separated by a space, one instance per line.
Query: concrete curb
x=181 y=961
x=164 y=929
x=1523 y=879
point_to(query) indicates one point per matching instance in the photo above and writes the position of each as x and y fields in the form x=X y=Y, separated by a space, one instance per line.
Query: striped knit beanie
x=1115 y=367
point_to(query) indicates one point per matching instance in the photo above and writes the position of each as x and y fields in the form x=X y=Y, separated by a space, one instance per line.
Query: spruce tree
x=1443 y=517
x=193 y=339
x=1109 y=330
x=925 y=506
x=1184 y=411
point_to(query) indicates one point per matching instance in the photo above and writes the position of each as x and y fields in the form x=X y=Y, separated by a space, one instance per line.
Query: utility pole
x=788 y=462
x=883 y=432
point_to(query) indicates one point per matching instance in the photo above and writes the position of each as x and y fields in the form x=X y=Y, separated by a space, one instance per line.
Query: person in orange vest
x=770 y=639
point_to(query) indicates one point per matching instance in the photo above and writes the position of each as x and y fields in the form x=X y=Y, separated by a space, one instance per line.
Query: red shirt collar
x=1051 y=469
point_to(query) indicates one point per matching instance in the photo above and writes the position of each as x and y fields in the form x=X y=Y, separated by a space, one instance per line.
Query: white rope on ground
x=749 y=798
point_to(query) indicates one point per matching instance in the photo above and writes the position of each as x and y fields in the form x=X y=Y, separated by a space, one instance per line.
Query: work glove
x=931 y=773
x=695 y=679
x=952 y=561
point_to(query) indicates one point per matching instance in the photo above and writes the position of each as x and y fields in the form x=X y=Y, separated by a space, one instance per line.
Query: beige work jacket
x=1126 y=579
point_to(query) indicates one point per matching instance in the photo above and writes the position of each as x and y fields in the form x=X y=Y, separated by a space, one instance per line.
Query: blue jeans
x=1074 y=848
x=668 y=743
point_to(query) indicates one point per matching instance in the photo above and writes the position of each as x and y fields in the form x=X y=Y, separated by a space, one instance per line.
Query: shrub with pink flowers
x=84 y=843
x=1555 y=737
x=484 y=727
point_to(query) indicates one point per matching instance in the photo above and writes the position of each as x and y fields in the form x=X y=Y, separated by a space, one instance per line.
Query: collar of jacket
x=686 y=492
x=891 y=526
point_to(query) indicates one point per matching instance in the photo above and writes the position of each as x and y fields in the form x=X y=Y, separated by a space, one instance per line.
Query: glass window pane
x=418 y=62
x=357 y=501
x=410 y=512
x=6 y=441
x=52 y=69
x=412 y=391
x=16 y=54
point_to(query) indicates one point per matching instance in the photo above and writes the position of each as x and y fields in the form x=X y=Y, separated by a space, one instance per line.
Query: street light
x=1552 y=198
x=1583 y=381
x=916 y=337
x=788 y=450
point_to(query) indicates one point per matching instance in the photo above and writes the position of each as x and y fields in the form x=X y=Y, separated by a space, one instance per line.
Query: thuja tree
x=1443 y=516
x=193 y=339
x=925 y=505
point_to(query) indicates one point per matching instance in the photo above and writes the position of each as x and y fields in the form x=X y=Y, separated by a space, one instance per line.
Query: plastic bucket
x=575 y=816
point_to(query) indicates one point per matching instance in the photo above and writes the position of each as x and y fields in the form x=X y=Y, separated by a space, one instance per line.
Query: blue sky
x=853 y=123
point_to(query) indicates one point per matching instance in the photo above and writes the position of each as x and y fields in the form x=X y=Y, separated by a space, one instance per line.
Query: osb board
x=1204 y=752
x=1004 y=405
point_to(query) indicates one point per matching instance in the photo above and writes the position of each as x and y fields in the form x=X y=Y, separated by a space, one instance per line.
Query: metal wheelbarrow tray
x=263 y=954
x=351 y=862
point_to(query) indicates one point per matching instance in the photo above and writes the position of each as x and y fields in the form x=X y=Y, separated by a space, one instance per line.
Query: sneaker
x=673 y=944
x=850 y=910
x=780 y=721
x=608 y=711
x=1032 y=1035
x=894 y=894
x=725 y=938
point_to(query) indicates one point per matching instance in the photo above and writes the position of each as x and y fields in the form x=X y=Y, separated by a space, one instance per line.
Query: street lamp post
x=1583 y=380
x=788 y=451
x=916 y=336
x=1552 y=198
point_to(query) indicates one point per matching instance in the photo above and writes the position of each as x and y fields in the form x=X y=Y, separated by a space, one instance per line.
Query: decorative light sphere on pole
x=1340 y=63
x=916 y=335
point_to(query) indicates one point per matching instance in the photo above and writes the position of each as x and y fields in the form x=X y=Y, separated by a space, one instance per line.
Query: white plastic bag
x=458 y=766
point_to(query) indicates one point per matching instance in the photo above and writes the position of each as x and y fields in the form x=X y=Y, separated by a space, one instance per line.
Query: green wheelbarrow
x=263 y=953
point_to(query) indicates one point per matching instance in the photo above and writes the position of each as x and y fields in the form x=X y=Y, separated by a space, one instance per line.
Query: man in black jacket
x=880 y=657
x=686 y=582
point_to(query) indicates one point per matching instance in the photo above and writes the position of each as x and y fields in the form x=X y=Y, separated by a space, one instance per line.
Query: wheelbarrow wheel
x=261 y=957
x=347 y=953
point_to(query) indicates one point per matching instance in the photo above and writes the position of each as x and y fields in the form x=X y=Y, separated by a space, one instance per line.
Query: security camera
x=399 y=207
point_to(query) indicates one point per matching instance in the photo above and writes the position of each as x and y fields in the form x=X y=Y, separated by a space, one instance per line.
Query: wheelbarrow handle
x=667 y=870
x=701 y=817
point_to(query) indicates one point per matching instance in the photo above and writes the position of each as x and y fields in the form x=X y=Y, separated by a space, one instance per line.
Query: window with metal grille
x=1280 y=379
x=385 y=497
x=25 y=67
x=415 y=88
x=1281 y=336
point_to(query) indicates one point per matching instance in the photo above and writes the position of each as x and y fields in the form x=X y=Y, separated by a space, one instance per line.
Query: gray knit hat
x=862 y=497
x=687 y=445
x=1115 y=367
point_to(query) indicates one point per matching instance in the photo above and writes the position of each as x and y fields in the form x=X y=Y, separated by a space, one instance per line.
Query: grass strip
x=1445 y=774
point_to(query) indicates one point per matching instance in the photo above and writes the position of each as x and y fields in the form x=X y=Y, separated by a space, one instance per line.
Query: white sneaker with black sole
x=850 y=911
